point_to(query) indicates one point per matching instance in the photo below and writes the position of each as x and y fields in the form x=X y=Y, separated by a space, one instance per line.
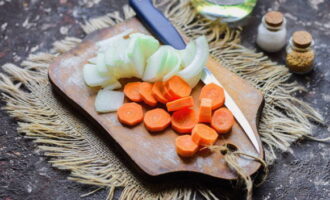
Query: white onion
x=188 y=54
x=113 y=86
x=93 y=78
x=164 y=61
x=104 y=44
x=108 y=101
x=190 y=72
x=92 y=60
x=140 y=48
x=100 y=64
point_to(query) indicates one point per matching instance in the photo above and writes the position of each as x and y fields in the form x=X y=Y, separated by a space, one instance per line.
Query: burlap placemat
x=75 y=146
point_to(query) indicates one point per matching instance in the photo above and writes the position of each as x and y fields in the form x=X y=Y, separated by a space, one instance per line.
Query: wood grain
x=155 y=153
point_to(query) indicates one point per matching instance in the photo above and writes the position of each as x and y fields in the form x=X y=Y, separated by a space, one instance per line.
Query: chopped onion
x=117 y=61
x=154 y=64
x=100 y=64
x=194 y=80
x=140 y=48
x=104 y=44
x=108 y=101
x=92 y=60
x=125 y=57
x=188 y=54
x=140 y=56
x=172 y=65
x=164 y=61
x=113 y=86
x=190 y=72
x=93 y=78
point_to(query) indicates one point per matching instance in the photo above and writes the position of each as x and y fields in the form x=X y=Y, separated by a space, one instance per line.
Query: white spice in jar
x=272 y=32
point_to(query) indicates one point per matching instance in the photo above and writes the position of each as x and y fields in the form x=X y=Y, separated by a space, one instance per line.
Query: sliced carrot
x=222 y=120
x=185 y=146
x=204 y=135
x=177 y=87
x=205 y=110
x=131 y=90
x=167 y=94
x=157 y=120
x=183 y=121
x=180 y=104
x=146 y=95
x=215 y=93
x=130 y=114
x=158 y=92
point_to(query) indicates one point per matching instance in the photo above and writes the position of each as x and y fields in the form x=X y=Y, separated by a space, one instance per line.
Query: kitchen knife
x=162 y=28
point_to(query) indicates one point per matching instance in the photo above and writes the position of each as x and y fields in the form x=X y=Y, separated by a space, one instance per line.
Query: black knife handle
x=157 y=23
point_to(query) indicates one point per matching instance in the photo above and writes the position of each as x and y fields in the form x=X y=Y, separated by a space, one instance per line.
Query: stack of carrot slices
x=175 y=94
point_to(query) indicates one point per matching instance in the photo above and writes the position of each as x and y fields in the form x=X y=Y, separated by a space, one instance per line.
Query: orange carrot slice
x=167 y=94
x=204 y=135
x=180 y=104
x=130 y=114
x=222 y=120
x=185 y=146
x=157 y=120
x=158 y=92
x=183 y=121
x=146 y=95
x=177 y=87
x=215 y=93
x=131 y=90
x=205 y=110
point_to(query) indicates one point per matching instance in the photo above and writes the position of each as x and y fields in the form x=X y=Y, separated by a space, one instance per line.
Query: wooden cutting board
x=155 y=153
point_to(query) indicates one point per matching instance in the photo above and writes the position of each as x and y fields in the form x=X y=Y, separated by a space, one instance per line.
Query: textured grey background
x=33 y=25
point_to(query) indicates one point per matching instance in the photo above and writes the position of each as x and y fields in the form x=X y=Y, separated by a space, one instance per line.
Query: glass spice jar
x=227 y=10
x=300 y=53
x=272 y=32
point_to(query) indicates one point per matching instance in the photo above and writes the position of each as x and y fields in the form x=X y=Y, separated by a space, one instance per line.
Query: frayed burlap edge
x=71 y=144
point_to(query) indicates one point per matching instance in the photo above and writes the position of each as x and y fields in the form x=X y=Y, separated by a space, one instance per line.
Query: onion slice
x=195 y=68
x=140 y=48
x=188 y=54
x=93 y=78
x=165 y=62
x=113 y=86
x=108 y=101
x=104 y=44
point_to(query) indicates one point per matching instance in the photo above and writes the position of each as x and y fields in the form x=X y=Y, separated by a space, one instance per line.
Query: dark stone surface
x=33 y=25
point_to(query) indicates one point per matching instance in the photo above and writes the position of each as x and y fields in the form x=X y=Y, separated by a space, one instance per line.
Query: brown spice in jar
x=300 y=61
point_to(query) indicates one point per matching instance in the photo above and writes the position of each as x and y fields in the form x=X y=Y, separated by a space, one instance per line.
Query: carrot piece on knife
x=157 y=120
x=130 y=114
x=204 y=135
x=205 y=110
x=177 y=87
x=180 y=104
x=222 y=120
x=215 y=93
x=131 y=90
x=185 y=146
x=158 y=92
x=183 y=121
x=146 y=95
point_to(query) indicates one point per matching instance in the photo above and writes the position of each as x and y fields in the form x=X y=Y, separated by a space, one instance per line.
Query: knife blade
x=162 y=28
